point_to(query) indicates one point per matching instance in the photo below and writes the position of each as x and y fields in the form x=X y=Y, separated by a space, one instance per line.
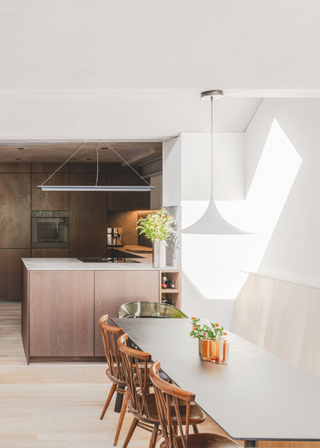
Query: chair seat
x=196 y=414
x=206 y=440
x=114 y=379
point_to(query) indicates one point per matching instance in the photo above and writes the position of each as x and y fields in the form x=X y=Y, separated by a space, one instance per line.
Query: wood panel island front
x=63 y=300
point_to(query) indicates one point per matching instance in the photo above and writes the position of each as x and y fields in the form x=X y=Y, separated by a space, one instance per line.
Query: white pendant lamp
x=211 y=222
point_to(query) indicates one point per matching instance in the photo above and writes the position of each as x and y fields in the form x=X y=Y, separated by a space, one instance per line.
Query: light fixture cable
x=212 y=155
x=101 y=188
x=63 y=164
x=97 y=176
x=110 y=147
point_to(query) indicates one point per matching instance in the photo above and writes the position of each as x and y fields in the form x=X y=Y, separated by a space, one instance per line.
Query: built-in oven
x=50 y=229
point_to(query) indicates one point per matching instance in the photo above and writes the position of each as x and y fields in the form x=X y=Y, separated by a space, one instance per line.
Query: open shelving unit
x=173 y=295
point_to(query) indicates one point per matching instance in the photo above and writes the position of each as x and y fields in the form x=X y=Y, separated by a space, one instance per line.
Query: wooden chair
x=115 y=371
x=174 y=407
x=142 y=404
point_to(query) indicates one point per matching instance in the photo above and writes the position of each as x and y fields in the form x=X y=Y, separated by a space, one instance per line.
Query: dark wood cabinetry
x=127 y=200
x=61 y=313
x=10 y=273
x=49 y=200
x=15 y=210
x=88 y=218
x=114 y=288
x=50 y=253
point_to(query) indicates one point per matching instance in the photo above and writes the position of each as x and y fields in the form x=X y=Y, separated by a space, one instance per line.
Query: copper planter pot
x=209 y=350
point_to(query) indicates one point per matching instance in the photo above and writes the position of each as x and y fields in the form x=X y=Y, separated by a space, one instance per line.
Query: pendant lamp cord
x=110 y=147
x=212 y=157
x=63 y=164
x=97 y=176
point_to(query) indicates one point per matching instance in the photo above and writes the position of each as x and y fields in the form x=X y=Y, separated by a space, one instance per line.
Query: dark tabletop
x=256 y=396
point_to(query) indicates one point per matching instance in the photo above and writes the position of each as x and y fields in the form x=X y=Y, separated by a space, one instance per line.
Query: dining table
x=255 y=396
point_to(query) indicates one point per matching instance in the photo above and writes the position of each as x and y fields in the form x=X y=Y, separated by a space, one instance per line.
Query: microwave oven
x=50 y=229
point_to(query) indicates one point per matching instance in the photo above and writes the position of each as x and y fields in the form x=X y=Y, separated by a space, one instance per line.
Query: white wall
x=267 y=179
x=186 y=184
x=293 y=252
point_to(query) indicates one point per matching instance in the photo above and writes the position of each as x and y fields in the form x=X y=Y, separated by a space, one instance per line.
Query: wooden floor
x=55 y=405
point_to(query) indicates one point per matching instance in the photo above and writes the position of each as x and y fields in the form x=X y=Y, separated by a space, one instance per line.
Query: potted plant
x=209 y=336
x=157 y=227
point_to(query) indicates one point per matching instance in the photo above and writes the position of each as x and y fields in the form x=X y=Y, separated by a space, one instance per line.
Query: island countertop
x=73 y=264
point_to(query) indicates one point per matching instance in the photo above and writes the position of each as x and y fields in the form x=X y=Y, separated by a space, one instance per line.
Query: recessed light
x=20 y=149
x=18 y=159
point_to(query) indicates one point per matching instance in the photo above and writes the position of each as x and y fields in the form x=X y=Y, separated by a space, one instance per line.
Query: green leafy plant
x=214 y=331
x=157 y=226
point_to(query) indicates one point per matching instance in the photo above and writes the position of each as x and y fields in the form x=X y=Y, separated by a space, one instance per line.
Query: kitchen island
x=63 y=299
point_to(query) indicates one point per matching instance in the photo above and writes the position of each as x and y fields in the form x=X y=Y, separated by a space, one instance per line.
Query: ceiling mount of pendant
x=214 y=94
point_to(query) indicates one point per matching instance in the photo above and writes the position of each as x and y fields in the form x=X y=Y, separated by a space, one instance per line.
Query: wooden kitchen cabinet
x=88 y=218
x=114 y=288
x=50 y=253
x=135 y=200
x=61 y=310
x=118 y=200
x=49 y=200
x=10 y=273
x=15 y=210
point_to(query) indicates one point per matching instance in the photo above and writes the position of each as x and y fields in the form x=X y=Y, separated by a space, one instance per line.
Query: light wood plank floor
x=55 y=405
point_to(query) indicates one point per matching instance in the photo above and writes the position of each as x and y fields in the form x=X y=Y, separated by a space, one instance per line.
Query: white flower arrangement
x=157 y=226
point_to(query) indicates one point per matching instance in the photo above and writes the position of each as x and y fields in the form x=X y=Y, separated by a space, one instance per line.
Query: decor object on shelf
x=212 y=222
x=95 y=187
x=157 y=227
x=167 y=283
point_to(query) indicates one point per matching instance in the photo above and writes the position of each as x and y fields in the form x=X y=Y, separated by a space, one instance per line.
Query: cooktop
x=140 y=251
x=107 y=260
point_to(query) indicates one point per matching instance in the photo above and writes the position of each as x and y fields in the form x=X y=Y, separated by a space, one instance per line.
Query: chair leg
x=121 y=417
x=112 y=390
x=133 y=426
x=195 y=429
x=154 y=437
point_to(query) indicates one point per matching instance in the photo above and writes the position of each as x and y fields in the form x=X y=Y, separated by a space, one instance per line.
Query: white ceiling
x=93 y=70
x=121 y=115
x=167 y=44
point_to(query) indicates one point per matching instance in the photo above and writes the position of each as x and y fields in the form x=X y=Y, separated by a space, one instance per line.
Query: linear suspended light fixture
x=95 y=187
x=211 y=222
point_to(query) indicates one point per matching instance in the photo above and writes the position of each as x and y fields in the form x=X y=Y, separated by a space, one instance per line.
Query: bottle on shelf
x=167 y=283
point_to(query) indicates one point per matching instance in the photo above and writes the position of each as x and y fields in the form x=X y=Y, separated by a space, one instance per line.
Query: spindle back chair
x=140 y=403
x=114 y=372
x=175 y=407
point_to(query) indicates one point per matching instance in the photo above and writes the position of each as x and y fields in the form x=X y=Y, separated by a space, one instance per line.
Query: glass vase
x=159 y=254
